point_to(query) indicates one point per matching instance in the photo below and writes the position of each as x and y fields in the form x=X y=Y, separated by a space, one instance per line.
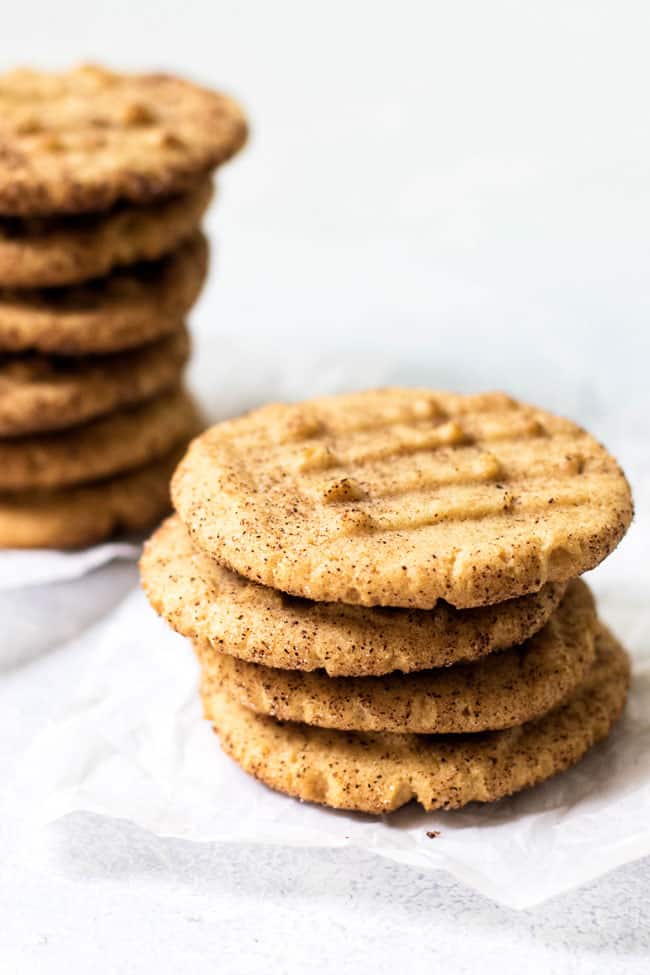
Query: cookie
x=212 y=605
x=79 y=516
x=504 y=690
x=39 y=394
x=401 y=497
x=82 y=140
x=377 y=772
x=129 y=308
x=50 y=253
x=110 y=445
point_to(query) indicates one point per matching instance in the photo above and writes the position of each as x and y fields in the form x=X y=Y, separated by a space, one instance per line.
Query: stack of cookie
x=104 y=179
x=382 y=592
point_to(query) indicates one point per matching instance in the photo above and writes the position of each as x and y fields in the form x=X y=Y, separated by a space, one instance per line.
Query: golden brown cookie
x=213 y=605
x=401 y=497
x=39 y=394
x=79 y=516
x=503 y=690
x=110 y=445
x=129 y=308
x=81 y=140
x=41 y=253
x=377 y=772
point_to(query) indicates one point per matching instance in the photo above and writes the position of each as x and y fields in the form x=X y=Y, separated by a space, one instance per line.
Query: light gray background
x=451 y=192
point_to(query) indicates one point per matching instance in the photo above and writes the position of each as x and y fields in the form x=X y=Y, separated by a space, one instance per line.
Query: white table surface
x=456 y=195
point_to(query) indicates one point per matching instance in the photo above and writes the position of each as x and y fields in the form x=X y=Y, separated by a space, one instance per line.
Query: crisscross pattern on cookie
x=400 y=497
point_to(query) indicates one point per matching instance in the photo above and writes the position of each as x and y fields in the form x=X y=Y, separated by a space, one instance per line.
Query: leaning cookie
x=501 y=691
x=214 y=606
x=82 y=140
x=39 y=394
x=379 y=772
x=78 y=516
x=110 y=445
x=52 y=253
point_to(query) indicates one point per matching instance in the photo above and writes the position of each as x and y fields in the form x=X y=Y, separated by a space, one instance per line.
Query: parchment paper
x=135 y=746
x=38 y=567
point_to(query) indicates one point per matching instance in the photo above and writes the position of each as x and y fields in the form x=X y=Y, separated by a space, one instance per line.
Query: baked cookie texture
x=501 y=691
x=381 y=589
x=41 y=253
x=104 y=180
x=214 y=606
x=84 y=139
x=88 y=513
x=112 y=444
x=132 y=307
x=401 y=497
x=379 y=772
x=39 y=394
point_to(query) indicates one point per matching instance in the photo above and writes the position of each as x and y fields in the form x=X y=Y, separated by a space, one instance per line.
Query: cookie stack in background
x=382 y=593
x=104 y=180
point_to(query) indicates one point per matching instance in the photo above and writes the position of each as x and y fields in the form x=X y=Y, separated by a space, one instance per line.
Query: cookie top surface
x=84 y=515
x=213 y=605
x=401 y=497
x=101 y=448
x=129 y=308
x=39 y=393
x=81 y=140
x=501 y=691
x=52 y=253
x=379 y=772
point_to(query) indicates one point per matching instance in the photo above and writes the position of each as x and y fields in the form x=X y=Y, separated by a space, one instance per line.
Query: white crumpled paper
x=136 y=747
x=48 y=597
x=20 y=568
